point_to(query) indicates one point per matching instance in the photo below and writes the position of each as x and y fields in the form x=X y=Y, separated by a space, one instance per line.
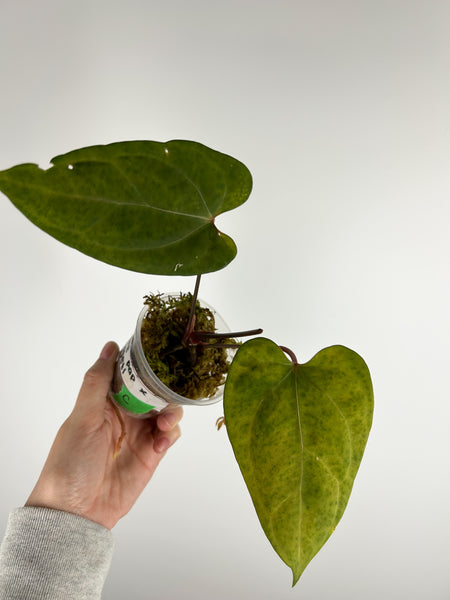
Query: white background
x=341 y=110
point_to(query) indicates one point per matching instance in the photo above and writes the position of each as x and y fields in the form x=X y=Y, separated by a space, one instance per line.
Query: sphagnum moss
x=193 y=370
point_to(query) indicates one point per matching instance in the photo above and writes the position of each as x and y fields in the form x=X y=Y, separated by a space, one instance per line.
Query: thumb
x=97 y=382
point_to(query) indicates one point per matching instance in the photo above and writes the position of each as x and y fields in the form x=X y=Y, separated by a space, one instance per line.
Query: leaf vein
x=335 y=404
x=125 y=176
x=160 y=246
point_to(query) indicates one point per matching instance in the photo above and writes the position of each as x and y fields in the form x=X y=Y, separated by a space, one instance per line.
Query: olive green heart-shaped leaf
x=144 y=206
x=298 y=433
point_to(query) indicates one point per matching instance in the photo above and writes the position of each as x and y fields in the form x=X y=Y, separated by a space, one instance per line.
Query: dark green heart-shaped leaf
x=298 y=433
x=144 y=206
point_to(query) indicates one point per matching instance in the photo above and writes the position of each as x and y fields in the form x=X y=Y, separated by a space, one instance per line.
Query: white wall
x=340 y=108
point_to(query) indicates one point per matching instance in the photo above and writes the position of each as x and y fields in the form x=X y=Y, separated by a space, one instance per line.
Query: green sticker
x=126 y=399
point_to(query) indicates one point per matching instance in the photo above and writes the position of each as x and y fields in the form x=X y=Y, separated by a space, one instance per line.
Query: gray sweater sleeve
x=53 y=555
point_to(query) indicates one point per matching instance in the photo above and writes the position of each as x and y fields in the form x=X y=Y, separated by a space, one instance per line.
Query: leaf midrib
x=305 y=451
x=112 y=201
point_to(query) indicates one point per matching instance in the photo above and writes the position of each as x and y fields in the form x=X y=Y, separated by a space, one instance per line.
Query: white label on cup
x=133 y=382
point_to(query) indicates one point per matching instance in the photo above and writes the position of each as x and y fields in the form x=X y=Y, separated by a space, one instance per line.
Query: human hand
x=81 y=475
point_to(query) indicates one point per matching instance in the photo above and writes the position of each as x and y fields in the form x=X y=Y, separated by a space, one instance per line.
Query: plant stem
x=195 y=294
x=195 y=338
x=191 y=321
x=291 y=355
x=234 y=334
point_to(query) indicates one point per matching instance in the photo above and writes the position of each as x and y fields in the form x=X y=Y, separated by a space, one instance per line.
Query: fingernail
x=161 y=445
x=108 y=350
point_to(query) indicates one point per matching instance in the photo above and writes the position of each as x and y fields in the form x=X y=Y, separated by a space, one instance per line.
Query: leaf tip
x=296 y=574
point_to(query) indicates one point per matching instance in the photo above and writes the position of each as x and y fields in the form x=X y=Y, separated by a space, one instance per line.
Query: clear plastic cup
x=137 y=390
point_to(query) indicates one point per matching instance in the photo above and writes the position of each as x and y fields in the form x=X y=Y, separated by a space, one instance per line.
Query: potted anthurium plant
x=298 y=431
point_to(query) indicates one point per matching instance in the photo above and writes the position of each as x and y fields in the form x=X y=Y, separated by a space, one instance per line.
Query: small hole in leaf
x=70 y=167
x=166 y=151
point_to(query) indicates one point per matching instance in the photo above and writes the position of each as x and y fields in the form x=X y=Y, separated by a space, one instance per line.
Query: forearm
x=53 y=555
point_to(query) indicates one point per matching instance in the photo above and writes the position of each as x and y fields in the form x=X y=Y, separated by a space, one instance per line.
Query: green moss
x=192 y=370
